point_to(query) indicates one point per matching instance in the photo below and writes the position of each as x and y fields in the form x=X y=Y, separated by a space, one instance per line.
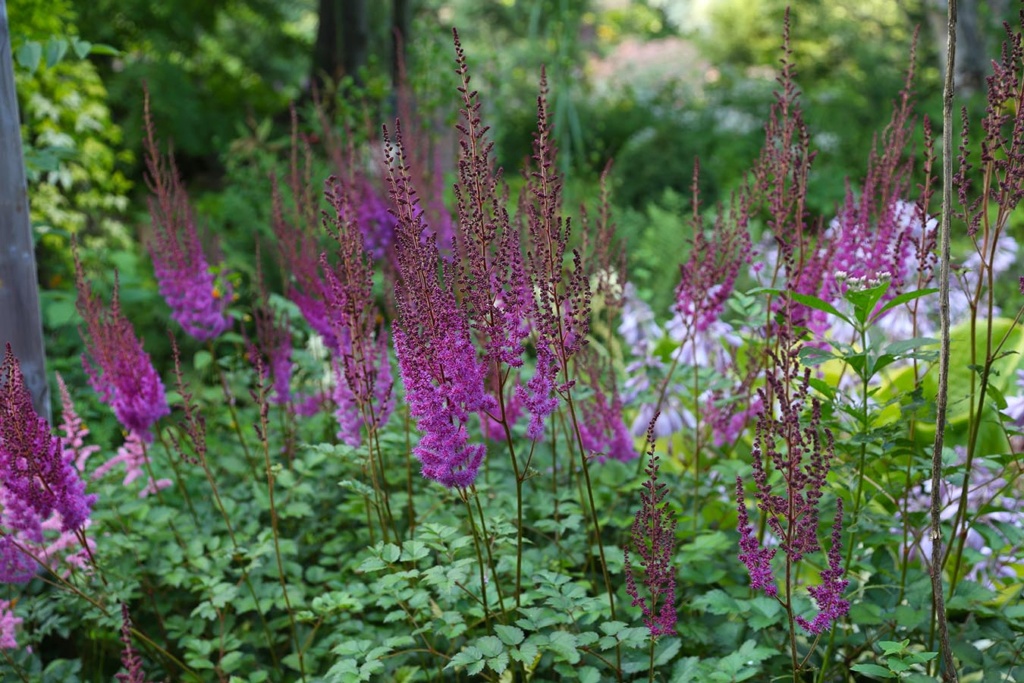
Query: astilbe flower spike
x=653 y=538
x=119 y=369
x=9 y=623
x=129 y=656
x=562 y=301
x=33 y=468
x=801 y=450
x=443 y=378
x=363 y=386
x=198 y=299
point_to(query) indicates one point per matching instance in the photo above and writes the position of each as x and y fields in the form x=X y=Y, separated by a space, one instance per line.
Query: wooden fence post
x=20 y=320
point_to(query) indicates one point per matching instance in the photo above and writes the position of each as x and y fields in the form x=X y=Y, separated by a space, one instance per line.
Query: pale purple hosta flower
x=119 y=369
x=653 y=538
x=996 y=508
x=638 y=326
x=32 y=464
x=198 y=298
x=1015 y=404
x=9 y=623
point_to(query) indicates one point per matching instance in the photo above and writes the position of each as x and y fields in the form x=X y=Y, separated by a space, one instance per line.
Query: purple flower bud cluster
x=198 y=298
x=829 y=593
x=33 y=467
x=795 y=445
x=653 y=538
x=130 y=658
x=602 y=430
x=119 y=370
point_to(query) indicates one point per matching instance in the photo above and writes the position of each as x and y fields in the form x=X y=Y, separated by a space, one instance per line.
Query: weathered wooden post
x=20 y=320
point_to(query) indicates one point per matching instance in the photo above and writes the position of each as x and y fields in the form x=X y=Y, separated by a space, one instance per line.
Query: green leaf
x=469 y=656
x=106 y=50
x=873 y=670
x=28 y=55
x=892 y=647
x=563 y=644
x=818 y=305
x=905 y=298
x=812 y=355
x=55 y=50
x=510 y=635
x=717 y=602
x=489 y=646
x=202 y=360
x=865 y=300
x=589 y=674
x=80 y=47
x=898 y=348
x=764 y=612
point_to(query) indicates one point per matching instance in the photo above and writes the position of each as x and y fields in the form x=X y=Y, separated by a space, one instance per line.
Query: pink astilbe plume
x=9 y=623
x=119 y=369
x=296 y=228
x=443 y=377
x=653 y=538
x=33 y=468
x=74 y=431
x=133 y=456
x=198 y=298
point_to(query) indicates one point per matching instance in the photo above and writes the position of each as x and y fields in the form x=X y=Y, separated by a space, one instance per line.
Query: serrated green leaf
x=563 y=644
x=489 y=646
x=499 y=663
x=467 y=656
x=510 y=635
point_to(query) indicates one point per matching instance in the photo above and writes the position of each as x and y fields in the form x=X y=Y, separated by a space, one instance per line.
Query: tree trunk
x=400 y=20
x=20 y=319
x=972 y=58
x=342 y=41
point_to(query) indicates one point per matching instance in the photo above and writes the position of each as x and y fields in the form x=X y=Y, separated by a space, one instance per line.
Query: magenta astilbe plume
x=443 y=377
x=653 y=538
x=757 y=560
x=710 y=272
x=796 y=445
x=198 y=299
x=562 y=300
x=496 y=292
x=32 y=464
x=602 y=429
x=362 y=371
x=119 y=370
x=829 y=594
